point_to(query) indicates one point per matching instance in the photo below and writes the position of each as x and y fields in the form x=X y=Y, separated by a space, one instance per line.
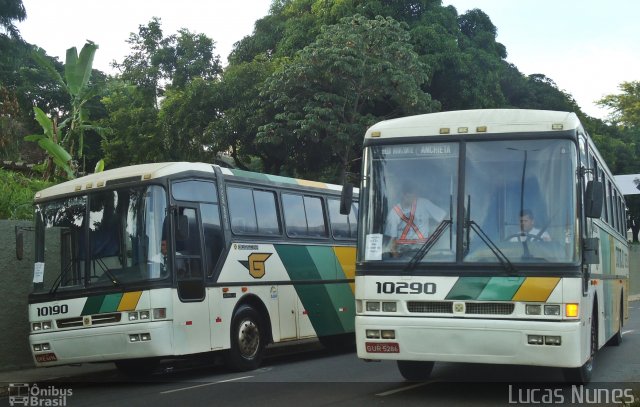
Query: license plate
x=46 y=357
x=387 y=347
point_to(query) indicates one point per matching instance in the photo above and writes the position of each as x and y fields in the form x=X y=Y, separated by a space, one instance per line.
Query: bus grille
x=430 y=307
x=95 y=320
x=474 y=308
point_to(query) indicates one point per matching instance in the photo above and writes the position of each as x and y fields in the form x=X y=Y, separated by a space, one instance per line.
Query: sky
x=587 y=47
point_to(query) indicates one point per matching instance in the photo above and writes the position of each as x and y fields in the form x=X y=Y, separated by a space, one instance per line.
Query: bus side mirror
x=19 y=243
x=593 y=199
x=346 y=198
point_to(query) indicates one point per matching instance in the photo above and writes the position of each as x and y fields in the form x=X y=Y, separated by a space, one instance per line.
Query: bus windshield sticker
x=373 y=247
x=38 y=272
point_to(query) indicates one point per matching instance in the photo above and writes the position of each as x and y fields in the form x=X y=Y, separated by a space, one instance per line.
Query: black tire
x=616 y=340
x=137 y=367
x=415 y=371
x=247 y=340
x=583 y=374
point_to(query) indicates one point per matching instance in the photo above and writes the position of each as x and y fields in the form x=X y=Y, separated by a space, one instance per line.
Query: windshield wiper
x=502 y=258
x=58 y=280
x=107 y=271
x=427 y=245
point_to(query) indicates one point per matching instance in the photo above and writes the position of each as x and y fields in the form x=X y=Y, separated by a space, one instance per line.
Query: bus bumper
x=101 y=344
x=472 y=341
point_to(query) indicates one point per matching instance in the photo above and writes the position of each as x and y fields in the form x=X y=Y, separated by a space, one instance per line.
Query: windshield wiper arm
x=107 y=271
x=427 y=245
x=502 y=258
x=58 y=281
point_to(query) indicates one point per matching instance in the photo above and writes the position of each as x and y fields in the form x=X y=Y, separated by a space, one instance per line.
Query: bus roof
x=157 y=170
x=480 y=121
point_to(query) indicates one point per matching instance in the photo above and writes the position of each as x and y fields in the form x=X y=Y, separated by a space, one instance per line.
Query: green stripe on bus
x=467 y=288
x=300 y=265
x=93 y=304
x=501 y=288
x=111 y=302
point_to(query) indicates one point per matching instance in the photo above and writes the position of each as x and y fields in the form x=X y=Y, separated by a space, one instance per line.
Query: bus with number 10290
x=488 y=236
x=143 y=263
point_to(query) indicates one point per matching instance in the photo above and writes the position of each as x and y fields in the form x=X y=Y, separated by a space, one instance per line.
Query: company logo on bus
x=255 y=263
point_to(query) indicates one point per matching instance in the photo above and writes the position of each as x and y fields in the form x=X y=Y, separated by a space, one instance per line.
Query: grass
x=16 y=194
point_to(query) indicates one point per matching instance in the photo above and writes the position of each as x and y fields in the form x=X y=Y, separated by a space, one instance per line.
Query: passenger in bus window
x=528 y=231
x=410 y=222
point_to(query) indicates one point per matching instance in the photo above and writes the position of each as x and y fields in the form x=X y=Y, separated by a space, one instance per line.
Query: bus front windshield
x=104 y=238
x=518 y=203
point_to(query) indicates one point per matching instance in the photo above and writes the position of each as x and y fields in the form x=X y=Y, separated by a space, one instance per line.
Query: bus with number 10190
x=488 y=236
x=143 y=263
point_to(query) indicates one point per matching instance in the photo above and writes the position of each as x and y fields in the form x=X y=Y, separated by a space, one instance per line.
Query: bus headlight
x=552 y=310
x=144 y=314
x=533 y=309
x=133 y=316
x=36 y=326
x=373 y=306
x=389 y=307
x=46 y=325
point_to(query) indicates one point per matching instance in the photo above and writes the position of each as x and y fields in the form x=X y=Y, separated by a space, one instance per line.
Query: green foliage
x=625 y=105
x=11 y=10
x=16 y=195
x=49 y=141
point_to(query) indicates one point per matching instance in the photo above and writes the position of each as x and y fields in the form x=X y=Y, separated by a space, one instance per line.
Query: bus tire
x=616 y=340
x=415 y=371
x=137 y=367
x=583 y=374
x=247 y=340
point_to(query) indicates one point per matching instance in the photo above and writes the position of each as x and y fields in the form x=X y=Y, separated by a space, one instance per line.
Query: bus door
x=191 y=311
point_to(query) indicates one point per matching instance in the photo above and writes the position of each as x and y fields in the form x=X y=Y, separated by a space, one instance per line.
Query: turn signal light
x=571 y=310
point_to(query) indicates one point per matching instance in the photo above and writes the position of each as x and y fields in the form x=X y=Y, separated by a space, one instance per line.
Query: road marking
x=628 y=332
x=401 y=389
x=205 y=384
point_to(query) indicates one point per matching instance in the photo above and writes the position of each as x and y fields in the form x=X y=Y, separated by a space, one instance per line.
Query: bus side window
x=213 y=240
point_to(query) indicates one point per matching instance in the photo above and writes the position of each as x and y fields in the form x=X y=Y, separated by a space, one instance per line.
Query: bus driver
x=410 y=222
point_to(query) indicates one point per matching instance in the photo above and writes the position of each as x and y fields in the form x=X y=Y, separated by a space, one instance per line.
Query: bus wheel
x=137 y=367
x=616 y=340
x=415 y=371
x=247 y=340
x=582 y=374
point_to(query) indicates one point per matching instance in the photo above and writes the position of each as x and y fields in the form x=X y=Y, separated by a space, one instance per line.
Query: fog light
x=535 y=339
x=37 y=347
x=571 y=310
x=552 y=340
x=388 y=334
x=373 y=306
x=373 y=334
x=551 y=310
x=144 y=314
x=145 y=337
x=134 y=338
x=159 y=313
x=389 y=307
x=133 y=316
x=533 y=309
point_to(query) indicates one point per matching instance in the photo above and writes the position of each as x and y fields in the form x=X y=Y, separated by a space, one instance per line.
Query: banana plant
x=49 y=141
x=77 y=72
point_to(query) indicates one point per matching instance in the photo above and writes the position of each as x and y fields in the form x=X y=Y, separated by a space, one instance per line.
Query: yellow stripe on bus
x=129 y=301
x=347 y=258
x=536 y=289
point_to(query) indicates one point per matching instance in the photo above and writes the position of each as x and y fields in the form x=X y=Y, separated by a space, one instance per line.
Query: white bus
x=488 y=236
x=154 y=261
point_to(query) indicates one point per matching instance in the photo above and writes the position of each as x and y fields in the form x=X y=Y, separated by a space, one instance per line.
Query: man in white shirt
x=528 y=231
x=411 y=221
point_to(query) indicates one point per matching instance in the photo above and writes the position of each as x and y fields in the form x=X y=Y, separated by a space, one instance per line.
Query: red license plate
x=46 y=357
x=386 y=347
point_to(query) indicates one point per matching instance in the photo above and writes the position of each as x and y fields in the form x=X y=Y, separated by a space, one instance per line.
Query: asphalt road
x=309 y=375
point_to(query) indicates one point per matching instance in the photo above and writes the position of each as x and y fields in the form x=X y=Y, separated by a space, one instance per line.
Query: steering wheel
x=528 y=237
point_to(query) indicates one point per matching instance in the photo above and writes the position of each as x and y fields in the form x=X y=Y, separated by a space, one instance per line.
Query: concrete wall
x=15 y=284
x=16 y=279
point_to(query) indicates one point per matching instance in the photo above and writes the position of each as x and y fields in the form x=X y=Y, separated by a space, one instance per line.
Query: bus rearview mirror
x=346 y=198
x=593 y=199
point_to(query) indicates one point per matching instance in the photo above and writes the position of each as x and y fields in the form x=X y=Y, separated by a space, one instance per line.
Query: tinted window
x=200 y=191
x=253 y=211
x=213 y=242
x=304 y=216
x=342 y=226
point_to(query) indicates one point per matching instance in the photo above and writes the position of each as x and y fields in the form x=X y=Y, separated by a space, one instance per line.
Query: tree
x=625 y=105
x=11 y=10
x=355 y=73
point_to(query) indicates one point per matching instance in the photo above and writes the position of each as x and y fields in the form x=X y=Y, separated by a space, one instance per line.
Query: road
x=309 y=375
